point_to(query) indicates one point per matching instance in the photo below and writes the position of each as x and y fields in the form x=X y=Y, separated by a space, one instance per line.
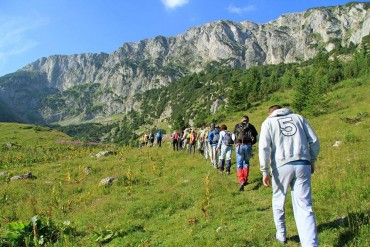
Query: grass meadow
x=166 y=198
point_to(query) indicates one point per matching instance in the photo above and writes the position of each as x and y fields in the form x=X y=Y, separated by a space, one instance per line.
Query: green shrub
x=39 y=231
x=350 y=137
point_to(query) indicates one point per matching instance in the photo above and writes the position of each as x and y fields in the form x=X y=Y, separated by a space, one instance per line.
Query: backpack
x=193 y=138
x=151 y=137
x=216 y=136
x=244 y=134
x=175 y=135
x=159 y=134
x=228 y=138
x=205 y=136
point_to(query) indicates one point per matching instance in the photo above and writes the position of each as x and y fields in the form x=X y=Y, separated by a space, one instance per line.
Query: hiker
x=146 y=139
x=175 y=140
x=159 y=138
x=211 y=129
x=151 y=138
x=291 y=147
x=213 y=138
x=205 y=142
x=142 y=141
x=180 y=139
x=225 y=145
x=200 y=140
x=245 y=137
x=185 y=139
x=192 y=141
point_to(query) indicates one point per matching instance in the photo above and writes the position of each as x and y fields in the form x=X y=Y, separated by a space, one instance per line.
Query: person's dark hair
x=273 y=108
x=223 y=127
x=245 y=119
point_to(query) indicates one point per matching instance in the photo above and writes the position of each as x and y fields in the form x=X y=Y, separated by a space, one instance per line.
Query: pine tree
x=302 y=87
x=235 y=97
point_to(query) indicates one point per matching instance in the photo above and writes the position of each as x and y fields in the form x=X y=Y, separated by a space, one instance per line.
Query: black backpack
x=244 y=133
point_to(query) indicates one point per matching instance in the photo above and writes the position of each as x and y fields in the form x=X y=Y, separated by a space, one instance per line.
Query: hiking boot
x=241 y=188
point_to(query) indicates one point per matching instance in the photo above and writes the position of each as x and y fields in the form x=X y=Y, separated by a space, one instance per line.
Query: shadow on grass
x=294 y=239
x=352 y=226
x=257 y=183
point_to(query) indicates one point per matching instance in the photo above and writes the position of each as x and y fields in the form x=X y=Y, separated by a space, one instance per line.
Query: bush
x=39 y=231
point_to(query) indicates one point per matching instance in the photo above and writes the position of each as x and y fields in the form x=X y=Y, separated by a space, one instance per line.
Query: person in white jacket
x=291 y=147
x=225 y=144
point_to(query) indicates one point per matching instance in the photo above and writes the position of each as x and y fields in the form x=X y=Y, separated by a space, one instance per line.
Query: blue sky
x=31 y=29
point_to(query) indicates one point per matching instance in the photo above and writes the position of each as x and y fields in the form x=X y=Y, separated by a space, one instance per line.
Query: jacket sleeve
x=255 y=134
x=264 y=147
x=210 y=137
x=220 y=139
x=236 y=129
x=313 y=141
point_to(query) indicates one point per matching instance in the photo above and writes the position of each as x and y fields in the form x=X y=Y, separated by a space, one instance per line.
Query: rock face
x=153 y=63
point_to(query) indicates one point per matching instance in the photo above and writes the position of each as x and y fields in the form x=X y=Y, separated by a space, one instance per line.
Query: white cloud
x=14 y=38
x=172 y=4
x=240 y=10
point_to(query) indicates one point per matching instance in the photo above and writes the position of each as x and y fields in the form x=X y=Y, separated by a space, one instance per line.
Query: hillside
x=26 y=135
x=167 y=198
x=87 y=86
x=210 y=96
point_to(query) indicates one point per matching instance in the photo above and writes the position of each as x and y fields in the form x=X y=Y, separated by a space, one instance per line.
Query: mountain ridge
x=136 y=67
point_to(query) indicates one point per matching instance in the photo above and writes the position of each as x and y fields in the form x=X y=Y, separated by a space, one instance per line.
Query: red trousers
x=243 y=174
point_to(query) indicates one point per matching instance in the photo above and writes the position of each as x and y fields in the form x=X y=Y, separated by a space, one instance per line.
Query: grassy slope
x=159 y=196
x=29 y=135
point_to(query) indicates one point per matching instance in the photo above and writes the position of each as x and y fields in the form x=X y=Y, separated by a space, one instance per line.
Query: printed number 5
x=287 y=126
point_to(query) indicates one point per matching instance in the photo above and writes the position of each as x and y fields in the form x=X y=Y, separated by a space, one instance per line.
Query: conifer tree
x=302 y=87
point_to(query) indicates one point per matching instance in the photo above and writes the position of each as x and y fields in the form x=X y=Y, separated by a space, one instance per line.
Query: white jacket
x=286 y=137
x=221 y=139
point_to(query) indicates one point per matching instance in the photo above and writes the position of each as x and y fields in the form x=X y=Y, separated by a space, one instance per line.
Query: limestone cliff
x=153 y=63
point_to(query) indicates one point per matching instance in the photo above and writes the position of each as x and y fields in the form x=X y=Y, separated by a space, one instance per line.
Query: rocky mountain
x=92 y=85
